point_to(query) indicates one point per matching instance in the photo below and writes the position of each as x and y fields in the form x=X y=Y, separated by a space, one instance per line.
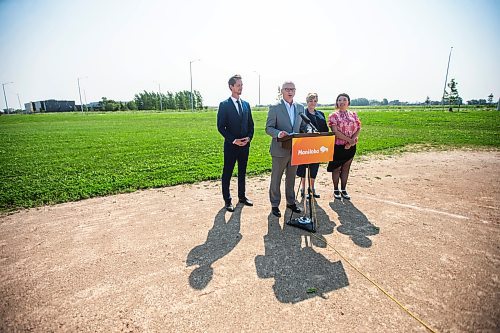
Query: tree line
x=181 y=101
x=450 y=97
x=152 y=101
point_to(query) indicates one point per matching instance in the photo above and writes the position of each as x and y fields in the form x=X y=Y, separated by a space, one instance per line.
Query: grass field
x=52 y=158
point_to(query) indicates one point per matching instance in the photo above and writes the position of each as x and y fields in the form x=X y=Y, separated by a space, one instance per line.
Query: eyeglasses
x=289 y=89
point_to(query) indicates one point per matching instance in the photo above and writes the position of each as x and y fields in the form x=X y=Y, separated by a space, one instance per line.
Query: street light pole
x=5 y=96
x=259 y=84
x=191 y=79
x=159 y=93
x=446 y=78
x=85 y=99
x=80 y=93
x=19 y=100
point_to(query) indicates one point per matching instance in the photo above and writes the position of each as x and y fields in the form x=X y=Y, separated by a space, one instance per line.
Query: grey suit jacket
x=277 y=121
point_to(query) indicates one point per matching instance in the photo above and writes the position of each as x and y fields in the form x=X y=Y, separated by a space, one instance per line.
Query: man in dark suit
x=235 y=123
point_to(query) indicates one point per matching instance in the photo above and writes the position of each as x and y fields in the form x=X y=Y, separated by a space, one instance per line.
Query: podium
x=307 y=148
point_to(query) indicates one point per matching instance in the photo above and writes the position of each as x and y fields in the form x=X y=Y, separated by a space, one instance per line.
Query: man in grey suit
x=283 y=119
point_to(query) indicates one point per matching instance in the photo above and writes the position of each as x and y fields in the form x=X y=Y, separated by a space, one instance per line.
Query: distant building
x=9 y=110
x=50 y=105
x=94 y=106
x=28 y=107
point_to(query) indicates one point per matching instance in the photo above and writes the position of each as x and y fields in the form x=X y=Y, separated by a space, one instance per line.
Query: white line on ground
x=490 y=207
x=415 y=207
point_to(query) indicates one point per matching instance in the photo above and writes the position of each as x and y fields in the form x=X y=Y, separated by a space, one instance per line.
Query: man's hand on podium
x=282 y=134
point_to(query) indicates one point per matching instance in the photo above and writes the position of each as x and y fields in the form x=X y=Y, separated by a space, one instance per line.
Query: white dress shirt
x=235 y=102
x=291 y=111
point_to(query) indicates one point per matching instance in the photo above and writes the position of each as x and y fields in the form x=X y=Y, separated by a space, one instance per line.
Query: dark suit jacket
x=318 y=120
x=231 y=125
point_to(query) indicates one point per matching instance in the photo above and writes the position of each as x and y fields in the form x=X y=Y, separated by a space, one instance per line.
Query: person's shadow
x=299 y=271
x=221 y=239
x=354 y=223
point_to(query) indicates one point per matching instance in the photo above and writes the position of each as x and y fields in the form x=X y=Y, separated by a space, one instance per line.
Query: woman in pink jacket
x=346 y=126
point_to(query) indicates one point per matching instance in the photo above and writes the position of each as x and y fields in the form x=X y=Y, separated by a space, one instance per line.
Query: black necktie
x=240 y=111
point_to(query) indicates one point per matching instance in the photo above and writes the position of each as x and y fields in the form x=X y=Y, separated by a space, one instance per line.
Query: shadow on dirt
x=221 y=239
x=299 y=271
x=354 y=223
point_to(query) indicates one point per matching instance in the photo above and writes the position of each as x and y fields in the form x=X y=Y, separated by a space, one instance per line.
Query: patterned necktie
x=240 y=111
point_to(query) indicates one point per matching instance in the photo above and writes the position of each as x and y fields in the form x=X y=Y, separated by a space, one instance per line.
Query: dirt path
x=425 y=226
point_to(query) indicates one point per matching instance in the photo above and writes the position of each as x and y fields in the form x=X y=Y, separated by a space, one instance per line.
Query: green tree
x=146 y=100
x=109 y=104
x=170 y=103
x=179 y=101
x=132 y=105
x=453 y=96
x=360 y=102
x=490 y=99
x=198 y=100
x=182 y=101
x=385 y=101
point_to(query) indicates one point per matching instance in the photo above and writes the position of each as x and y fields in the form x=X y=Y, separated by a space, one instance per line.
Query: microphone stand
x=310 y=199
x=304 y=222
x=308 y=122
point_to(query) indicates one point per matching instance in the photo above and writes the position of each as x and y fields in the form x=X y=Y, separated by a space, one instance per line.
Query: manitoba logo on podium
x=308 y=148
x=312 y=148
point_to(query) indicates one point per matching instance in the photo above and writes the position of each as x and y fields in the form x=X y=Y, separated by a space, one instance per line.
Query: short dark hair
x=344 y=95
x=233 y=79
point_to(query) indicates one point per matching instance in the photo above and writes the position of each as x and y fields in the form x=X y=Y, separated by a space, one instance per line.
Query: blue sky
x=372 y=49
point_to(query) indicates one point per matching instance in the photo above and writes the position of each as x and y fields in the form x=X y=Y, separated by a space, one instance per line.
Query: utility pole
x=446 y=78
x=191 y=78
x=85 y=98
x=19 y=100
x=80 y=93
x=5 y=96
x=259 y=85
x=159 y=94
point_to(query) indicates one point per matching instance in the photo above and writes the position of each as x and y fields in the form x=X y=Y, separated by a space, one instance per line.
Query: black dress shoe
x=294 y=208
x=276 y=211
x=246 y=201
x=345 y=195
x=336 y=194
x=229 y=207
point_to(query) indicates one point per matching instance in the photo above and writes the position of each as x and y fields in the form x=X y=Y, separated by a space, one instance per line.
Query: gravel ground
x=425 y=226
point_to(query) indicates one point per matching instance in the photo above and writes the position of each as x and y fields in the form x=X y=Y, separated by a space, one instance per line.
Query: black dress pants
x=233 y=154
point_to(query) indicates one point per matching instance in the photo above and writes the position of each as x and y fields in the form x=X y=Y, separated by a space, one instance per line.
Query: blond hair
x=311 y=96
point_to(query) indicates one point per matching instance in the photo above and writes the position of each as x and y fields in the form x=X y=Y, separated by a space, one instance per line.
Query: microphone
x=308 y=122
